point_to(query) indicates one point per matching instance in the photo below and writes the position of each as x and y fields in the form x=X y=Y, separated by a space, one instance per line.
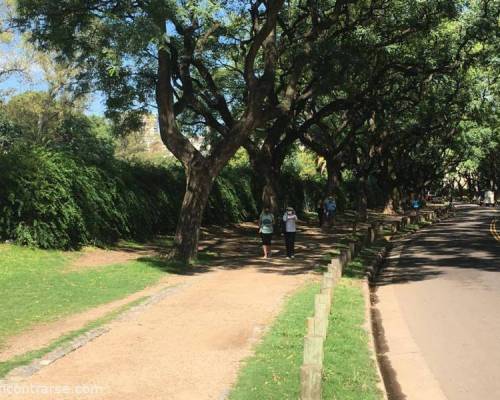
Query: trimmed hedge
x=52 y=199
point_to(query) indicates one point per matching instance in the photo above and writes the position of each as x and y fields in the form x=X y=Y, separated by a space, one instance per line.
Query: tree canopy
x=402 y=93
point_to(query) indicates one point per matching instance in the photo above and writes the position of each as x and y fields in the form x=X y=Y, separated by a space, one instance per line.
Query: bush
x=37 y=203
x=52 y=199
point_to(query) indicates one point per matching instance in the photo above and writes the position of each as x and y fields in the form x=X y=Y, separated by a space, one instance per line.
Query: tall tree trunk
x=270 y=196
x=199 y=182
x=397 y=199
x=362 y=200
x=388 y=206
x=388 y=185
x=267 y=166
x=333 y=175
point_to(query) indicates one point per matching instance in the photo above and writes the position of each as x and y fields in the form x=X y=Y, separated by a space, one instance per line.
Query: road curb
x=371 y=338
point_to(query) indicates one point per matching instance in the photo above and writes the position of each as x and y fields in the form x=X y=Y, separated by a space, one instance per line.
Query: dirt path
x=41 y=335
x=190 y=344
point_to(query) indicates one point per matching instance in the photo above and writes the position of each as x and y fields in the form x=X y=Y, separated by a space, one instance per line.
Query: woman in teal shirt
x=266 y=224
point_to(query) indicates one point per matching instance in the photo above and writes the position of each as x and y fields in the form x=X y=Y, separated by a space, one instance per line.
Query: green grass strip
x=37 y=287
x=27 y=358
x=274 y=371
x=349 y=372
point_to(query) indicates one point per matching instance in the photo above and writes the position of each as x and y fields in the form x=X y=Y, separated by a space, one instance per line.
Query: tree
x=187 y=59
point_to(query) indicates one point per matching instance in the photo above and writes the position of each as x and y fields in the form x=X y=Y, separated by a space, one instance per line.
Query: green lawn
x=348 y=371
x=34 y=287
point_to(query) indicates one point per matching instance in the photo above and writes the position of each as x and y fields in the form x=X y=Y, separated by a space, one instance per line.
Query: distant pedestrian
x=330 y=207
x=320 y=211
x=415 y=204
x=290 y=220
x=266 y=227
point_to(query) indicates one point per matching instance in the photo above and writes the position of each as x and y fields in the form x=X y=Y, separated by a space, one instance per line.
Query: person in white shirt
x=290 y=219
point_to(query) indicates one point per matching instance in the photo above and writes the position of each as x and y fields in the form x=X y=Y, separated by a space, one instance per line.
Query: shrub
x=52 y=199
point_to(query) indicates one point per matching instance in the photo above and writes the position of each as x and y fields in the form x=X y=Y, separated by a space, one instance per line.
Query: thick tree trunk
x=389 y=207
x=268 y=170
x=362 y=200
x=388 y=186
x=333 y=176
x=199 y=182
x=397 y=199
x=270 y=196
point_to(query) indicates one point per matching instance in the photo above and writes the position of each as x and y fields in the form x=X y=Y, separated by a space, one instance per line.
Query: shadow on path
x=463 y=241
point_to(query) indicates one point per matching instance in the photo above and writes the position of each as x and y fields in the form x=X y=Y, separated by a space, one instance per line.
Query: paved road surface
x=446 y=290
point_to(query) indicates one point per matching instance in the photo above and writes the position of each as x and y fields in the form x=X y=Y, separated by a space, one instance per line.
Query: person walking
x=290 y=219
x=415 y=204
x=320 y=211
x=266 y=227
x=330 y=208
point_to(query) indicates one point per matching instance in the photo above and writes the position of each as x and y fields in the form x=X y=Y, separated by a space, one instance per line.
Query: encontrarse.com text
x=50 y=390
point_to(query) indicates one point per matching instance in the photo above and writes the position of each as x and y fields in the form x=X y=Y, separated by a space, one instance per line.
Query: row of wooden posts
x=317 y=325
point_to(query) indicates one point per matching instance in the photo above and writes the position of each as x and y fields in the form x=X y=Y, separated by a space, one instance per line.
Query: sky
x=18 y=83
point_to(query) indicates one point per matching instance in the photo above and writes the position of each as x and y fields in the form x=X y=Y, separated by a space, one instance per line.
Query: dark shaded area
x=392 y=386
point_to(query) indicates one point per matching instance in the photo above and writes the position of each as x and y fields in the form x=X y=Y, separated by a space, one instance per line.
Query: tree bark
x=268 y=173
x=199 y=182
x=333 y=175
x=362 y=201
x=389 y=206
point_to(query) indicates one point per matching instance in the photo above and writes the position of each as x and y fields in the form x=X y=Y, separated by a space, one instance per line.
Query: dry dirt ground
x=190 y=344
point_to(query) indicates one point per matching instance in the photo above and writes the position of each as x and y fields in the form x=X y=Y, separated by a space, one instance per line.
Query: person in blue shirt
x=415 y=204
x=266 y=228
x=330 y=208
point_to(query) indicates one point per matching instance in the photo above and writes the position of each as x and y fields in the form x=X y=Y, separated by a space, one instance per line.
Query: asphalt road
x=446 y=286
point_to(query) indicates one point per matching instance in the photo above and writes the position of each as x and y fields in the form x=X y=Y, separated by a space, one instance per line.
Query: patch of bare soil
x=96 y=257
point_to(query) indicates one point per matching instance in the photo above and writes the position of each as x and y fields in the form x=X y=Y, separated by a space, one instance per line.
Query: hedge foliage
x=53 y=198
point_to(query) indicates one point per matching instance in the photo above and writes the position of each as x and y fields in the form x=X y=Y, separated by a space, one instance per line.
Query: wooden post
x=310 y=371
x=322 y=298
x=313 y=350
x=328 y=291
x=321 y=322
x=337 y=266
x=352 y=249
x=330 y=278
x=371 y=235
x=310 y=382
x=358 y=247
x=342 y=258
x=380 y=229
x=348 y=255
x=310 y=326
